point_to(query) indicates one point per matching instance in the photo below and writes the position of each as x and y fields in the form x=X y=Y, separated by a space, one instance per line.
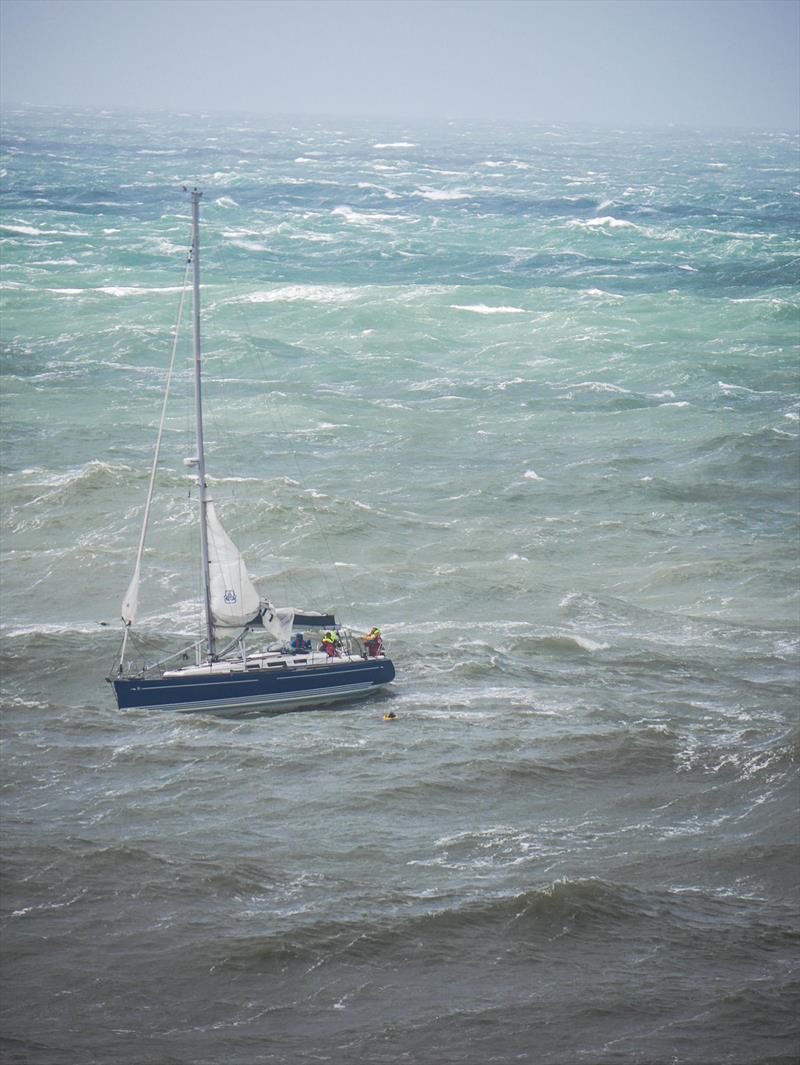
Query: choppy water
x=528 y=399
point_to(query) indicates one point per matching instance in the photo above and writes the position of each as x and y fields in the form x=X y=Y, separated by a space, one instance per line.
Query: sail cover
x=234 y=599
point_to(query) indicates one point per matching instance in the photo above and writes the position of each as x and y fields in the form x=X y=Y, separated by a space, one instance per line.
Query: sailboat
x=305 y=661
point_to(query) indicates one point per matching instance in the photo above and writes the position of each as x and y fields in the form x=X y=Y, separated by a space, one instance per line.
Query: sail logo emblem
x=230 y=595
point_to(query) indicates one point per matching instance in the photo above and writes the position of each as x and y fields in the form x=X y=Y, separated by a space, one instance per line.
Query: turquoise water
x=528 y=398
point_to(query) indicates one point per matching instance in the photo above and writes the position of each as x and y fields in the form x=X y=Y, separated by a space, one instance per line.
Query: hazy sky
x=701 y=62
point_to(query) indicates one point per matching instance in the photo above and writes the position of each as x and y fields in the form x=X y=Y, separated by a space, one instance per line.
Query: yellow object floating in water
x=391 y=716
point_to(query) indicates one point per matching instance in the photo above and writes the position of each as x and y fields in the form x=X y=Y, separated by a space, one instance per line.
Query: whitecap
x=599 y=386
x=32 y=231
x=80 y=628
x=396 y=144
x=728 y=389
x=294 y=293
x=362 y=217
x=249 y=245
x=598 y=292
x=756 y=299
x=121 y=290
x=27 y=231
x=444 y=173
x=605 y=221
x=233 y=480
x=314 y=238
x=589 y=645
x=482 y=308
x=732 y=388
x=532 y=475
x=440 y=194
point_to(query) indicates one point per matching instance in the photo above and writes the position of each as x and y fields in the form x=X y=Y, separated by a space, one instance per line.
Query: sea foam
x=482 y=308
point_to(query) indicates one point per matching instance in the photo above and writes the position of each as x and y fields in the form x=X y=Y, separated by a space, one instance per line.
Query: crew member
x=328 y=645
x=373 y=642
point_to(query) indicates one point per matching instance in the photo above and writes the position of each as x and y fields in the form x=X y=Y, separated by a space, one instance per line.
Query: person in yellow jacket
x=373 y=642
x=328 y=645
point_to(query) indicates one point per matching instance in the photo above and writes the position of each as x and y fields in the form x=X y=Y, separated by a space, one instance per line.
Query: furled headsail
x=130 y=604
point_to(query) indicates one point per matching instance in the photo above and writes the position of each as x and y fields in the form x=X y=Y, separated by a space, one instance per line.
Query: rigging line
x=239 y=309
x=190 y=530
x=288 y=583
x=132 y=592
x=192 y=535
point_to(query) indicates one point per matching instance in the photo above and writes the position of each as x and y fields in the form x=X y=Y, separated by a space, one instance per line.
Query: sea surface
x=526 y=397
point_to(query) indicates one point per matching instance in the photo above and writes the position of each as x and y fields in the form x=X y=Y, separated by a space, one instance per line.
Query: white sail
x=234 y=599
x=278 y=621
x=130 y=603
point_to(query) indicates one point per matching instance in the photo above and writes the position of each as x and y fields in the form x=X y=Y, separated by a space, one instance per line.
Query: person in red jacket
x=374 y=643
x=328 y=645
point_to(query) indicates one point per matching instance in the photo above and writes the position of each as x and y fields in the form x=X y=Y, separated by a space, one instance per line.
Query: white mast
x=198 y=406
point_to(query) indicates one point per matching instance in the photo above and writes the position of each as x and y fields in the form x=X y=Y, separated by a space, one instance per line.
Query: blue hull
x=257 y=690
